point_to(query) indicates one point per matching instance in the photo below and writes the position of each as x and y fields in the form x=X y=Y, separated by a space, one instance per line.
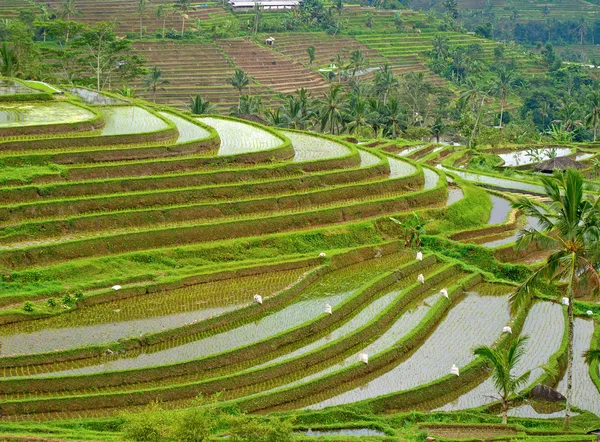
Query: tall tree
x=385 y=82
x=569 y=228
x=504 y=361
x=154 y=82
x=330 y=109
x=592 y=118
x=184 y=7
x=239 y=80
x=257 y=18
x=67 y=10
x=358 y=62
x=141 y=8
x=106 y=55
x=503 y=84
x=163 y=11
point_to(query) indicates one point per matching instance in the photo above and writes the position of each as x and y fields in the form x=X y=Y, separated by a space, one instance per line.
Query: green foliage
x=51 y=302
x=195 y=424
x=147 y=426
x=28 y=306
x=252 y=429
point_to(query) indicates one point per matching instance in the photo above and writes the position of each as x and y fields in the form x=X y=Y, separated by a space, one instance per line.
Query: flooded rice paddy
x=521 y=158
x=108 y=322
x=237 y=137
x=188 y=131
x=311 y=148
x=501 y=207
x=545 y=325
x=11 y=87
x=585 y=392
x=123 y=120
x=35 y=114
x=334 y=288
x=476 y=320
x=93 y=97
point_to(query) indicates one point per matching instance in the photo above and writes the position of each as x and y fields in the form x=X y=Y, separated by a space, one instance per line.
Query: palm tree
x=141 y=7
x=385 y=82
x=412 y=230
x=239 y=80
x=258 y=14
x=592 y=119
x=199 y=106
x=358 y=62
x=154 y=81
x=592 y=357
x=67 y=10
x=184 y=7
x=163 y=11
x=330 y=111
x=8 y=60
x=126 y=92
x=569 y=227
x=503 y=362
x=393 y=117
x=357 y=116
x=503 y=84
x=441 y=48
x=294 y=113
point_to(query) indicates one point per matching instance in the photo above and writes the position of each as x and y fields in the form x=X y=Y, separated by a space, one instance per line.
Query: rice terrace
x=299 y=220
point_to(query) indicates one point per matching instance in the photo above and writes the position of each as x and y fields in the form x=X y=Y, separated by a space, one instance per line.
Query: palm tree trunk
x=164 y=26
x=502 y=111
x=595 y=131
x=569 y=361
x=182 y=24
x=141 y=27
x=504 y=413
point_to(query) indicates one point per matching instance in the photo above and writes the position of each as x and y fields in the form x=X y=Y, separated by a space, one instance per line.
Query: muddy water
x=544 y=326
x=585 y=392
x=501 y=207
x=92 y=97
x=11 y=87
x=477 y=320
x=122 y=120
x=334 y=288
x=160 y=311
x=410 y=150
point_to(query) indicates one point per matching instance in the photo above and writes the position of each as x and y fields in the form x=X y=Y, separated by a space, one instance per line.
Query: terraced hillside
x=125 y=14
x=195 y=68
x=270 y=68
x=161 y=256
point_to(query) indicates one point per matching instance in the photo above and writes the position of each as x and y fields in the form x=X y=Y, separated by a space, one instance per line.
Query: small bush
x=194 y=425
x=67 y=300
x=28 y=307
x=147 y=426
x=248 y=429
x=51 y=302
x=78 y=296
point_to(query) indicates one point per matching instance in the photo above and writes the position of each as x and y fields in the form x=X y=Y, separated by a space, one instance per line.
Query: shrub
x=67 y=300
x=147 y=426
x=28 y=307
x=51 y=302
x=248 y=429
x=78 y=296
x=195 y=425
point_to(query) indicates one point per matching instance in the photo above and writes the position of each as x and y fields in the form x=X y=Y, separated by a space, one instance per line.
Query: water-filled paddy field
x=476 y=320
x=237 y=137
x=35 y=114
